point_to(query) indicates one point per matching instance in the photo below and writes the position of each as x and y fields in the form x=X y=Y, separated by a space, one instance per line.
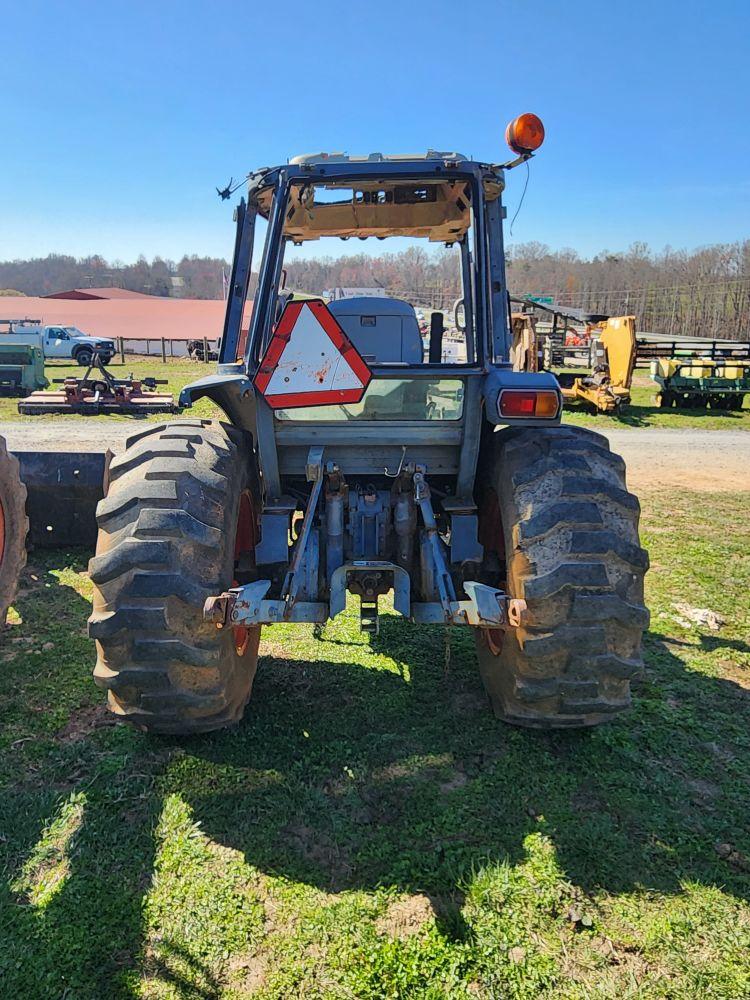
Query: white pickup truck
x=63 y=341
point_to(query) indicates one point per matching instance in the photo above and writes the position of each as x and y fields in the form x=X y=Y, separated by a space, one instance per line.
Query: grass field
x=641 y=413
x=370 y=830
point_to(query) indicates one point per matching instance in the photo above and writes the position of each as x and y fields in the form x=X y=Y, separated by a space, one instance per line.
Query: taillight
x=536 y=403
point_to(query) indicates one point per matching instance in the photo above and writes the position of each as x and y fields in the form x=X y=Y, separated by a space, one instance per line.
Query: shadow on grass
x=638 y=415
x=348 y=775
x=70 y=907
x=414 y=784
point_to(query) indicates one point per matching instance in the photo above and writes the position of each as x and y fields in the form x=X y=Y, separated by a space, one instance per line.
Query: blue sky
x=119 y=120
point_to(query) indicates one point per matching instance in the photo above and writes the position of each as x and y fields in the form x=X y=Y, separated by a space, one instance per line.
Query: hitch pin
x=397 y=473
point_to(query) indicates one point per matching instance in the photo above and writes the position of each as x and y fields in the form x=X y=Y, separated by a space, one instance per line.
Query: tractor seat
x=382 y=330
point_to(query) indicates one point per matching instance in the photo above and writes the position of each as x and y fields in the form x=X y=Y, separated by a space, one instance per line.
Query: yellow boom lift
x=611 y=346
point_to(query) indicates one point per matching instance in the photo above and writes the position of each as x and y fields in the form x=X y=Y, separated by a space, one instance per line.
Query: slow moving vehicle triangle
x=310 y=361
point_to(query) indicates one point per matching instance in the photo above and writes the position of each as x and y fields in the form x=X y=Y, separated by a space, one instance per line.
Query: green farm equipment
x=698 y=383
x=353 y=462
x=21 y=369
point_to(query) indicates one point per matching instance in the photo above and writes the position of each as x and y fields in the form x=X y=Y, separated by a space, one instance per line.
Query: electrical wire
x=523 y=195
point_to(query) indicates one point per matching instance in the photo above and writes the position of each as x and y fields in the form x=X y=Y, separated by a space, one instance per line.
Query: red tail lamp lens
x=540 y=403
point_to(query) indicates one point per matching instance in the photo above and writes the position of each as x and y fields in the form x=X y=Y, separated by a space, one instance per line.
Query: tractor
x=356 y=460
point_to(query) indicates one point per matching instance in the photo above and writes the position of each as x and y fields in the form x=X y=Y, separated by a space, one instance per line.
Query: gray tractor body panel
x=382 y=330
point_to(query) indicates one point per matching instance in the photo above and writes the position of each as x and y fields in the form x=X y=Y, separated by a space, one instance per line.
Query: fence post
x=163 y=351
x=148 y=347
x=122 y=350
x=205 y=349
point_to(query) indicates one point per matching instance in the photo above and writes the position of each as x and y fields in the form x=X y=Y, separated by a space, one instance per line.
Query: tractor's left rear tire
x=13 y=528
x=177 y=521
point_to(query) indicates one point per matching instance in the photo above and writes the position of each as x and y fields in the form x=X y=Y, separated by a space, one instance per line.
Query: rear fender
x=232 y=392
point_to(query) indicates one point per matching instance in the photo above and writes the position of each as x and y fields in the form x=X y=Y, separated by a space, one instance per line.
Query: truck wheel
x=178 y=524
x=559 y=518
x=13 y=528
x=83 y=357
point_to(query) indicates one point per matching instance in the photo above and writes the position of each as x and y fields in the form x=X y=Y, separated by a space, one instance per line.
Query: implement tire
x=13 y=528
x=170 y=528
x=567 y=530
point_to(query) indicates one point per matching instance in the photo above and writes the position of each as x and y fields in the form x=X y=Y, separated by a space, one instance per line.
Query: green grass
x=370 y=830
x=179 y=372
x=642 y=412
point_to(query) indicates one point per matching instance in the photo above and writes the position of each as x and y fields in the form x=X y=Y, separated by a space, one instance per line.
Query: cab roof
x=418 y=195
x=431 y=154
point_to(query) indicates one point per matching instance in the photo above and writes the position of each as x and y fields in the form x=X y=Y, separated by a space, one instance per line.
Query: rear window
x=392 y=399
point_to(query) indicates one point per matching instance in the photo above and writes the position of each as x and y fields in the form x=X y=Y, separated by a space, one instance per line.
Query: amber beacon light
x=525 y=134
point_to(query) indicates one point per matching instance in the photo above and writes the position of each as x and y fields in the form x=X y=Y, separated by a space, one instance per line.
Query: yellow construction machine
x=608 y=344
x=607 y=387
x=524 y=351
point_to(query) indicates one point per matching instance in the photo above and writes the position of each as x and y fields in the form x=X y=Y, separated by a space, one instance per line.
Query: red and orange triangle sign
x=310 y=361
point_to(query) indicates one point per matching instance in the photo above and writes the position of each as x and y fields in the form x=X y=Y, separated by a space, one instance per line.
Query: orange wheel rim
x=245 y=540
x=494 y=639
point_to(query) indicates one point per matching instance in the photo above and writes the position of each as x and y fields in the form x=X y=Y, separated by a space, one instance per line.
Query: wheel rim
x=493 y=637
x=245 y=540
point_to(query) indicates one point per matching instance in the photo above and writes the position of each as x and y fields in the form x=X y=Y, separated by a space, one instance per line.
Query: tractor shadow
x=356 y=767
x=405 y=779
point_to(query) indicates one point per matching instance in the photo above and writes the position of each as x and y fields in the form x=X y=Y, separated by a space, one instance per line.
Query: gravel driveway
x=695 y=459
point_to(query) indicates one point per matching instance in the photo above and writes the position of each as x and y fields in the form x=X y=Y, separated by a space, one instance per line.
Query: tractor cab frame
x=382 y=498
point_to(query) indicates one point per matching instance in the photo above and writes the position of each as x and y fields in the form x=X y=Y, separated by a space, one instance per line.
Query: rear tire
x=167 y=532
x=14 y=525
x=568 y=536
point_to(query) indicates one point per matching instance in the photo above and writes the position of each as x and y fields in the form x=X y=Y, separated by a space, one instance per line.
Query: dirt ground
x=696 y=459
x=700 y=460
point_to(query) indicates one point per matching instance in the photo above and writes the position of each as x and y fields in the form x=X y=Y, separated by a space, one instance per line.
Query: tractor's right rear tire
x=177 y=518
x=558 y=516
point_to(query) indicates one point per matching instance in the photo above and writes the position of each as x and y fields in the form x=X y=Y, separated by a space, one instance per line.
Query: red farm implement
x=98 y=391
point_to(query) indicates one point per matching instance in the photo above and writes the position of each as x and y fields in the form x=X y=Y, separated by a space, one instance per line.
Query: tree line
x=704 y=292
x=699 y=293
x=192 y=277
